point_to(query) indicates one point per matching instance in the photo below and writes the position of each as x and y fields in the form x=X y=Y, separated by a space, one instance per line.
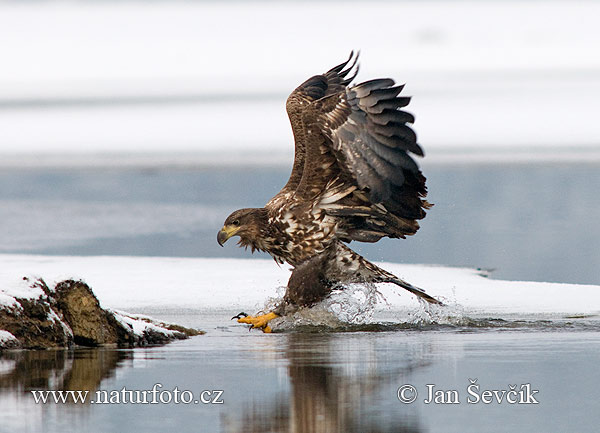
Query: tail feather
x=349 y=266
x=415 y=291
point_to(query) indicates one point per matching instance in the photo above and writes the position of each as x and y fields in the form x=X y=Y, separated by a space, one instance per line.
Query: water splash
x=450 y=313
x=354 y=303
x=348 y=305
x=362 y=308
x=353 y=307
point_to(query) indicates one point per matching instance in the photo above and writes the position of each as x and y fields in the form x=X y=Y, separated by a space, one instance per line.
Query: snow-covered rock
x=34 y=315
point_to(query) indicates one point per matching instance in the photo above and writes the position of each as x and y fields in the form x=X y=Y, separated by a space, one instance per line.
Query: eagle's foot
x=261 y=322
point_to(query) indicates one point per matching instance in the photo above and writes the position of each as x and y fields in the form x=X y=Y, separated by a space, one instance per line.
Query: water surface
x=529 y=222
x=317 y=382
x=526 y=221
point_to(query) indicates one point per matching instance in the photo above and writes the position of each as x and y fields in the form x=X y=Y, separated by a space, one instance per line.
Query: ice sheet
x=206 y=284
x=503 y=80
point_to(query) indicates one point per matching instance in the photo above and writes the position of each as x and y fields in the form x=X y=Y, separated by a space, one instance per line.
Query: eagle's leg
x=261 y=321
x=307 y=286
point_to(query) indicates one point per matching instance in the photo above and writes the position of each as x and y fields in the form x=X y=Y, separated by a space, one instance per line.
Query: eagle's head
x=249 y=224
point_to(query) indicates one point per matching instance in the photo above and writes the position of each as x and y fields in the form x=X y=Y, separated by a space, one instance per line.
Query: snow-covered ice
x=127 y=48
x=495 y=78
x=206 y=284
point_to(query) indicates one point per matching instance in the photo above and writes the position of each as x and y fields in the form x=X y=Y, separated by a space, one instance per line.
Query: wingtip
x=339 y=69
x=354 y=66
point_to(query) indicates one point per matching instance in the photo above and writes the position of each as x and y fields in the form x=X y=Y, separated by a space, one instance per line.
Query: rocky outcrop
x=70 y=314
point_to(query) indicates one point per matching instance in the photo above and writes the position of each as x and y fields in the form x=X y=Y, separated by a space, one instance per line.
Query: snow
x=211 y=285
x=53 y=317
x=6 y=337
x=12 y=288
x=141 y=324
x=155 y=78
x=211 y=45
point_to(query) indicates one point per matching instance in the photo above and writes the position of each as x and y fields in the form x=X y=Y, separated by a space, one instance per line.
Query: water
x=532 y=222
x=316 y=382
x=526 y=221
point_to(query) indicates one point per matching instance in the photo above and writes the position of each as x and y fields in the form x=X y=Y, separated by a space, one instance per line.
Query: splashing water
x=361 y=307
x=352 y=304
x=431 y=314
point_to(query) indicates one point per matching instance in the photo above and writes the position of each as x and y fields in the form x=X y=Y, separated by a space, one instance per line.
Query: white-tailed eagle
x=353 y=179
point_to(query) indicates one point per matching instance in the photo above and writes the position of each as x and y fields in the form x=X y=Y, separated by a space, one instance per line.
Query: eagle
x=353 y=179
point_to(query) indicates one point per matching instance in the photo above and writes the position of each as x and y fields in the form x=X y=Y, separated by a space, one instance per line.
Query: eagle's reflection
x=81 y=369
x=334 y=388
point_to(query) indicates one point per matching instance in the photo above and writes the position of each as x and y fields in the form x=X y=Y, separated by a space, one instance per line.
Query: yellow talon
x=259 y=321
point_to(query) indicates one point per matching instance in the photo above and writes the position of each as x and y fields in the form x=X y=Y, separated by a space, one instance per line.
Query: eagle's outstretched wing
x=353 y=179
x=330 y=83
x=357 y=166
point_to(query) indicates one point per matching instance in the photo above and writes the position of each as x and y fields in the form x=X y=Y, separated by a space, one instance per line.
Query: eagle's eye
x=236 y=223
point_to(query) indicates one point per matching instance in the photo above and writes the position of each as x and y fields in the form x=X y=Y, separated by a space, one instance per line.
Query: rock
x=89 y=323
x=70 y=314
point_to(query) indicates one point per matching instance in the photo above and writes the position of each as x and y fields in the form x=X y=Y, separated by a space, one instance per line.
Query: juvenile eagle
x=352 y=179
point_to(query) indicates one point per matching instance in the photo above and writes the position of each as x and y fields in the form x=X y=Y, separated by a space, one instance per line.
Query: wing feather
x=332 y=82
x=359 y=136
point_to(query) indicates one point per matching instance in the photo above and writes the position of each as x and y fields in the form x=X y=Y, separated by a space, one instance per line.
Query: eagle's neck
x=259 y=232
x=266 y=236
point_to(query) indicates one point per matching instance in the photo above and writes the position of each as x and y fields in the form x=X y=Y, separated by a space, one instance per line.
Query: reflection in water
x=300 y=382
x=81 y=369
x=329 y=394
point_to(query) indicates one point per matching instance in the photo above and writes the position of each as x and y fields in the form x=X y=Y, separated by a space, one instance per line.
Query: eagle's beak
x=225 y=233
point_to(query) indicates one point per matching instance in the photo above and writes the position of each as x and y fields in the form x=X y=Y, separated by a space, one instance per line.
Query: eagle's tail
x=352 y=267
x=415 y=291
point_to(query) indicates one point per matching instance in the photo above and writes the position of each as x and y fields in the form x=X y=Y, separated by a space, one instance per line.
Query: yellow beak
x=225 y=233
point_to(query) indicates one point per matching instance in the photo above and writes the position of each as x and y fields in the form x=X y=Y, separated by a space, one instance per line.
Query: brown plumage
x=353 y=179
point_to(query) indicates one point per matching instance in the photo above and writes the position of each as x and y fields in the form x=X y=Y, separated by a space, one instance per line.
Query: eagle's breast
x=298 y=234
